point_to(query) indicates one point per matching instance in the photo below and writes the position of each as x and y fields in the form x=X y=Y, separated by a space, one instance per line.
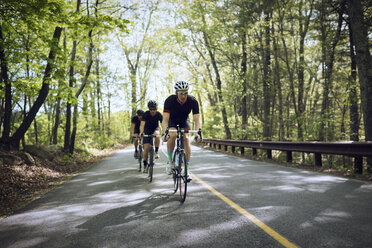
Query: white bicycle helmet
x=181 y=85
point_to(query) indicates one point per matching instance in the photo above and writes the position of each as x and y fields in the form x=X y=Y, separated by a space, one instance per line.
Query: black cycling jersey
x=137 y=123
x=152 y=122
x=179 y=112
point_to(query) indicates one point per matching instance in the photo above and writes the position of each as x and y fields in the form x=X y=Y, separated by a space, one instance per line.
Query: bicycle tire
x=140 y=158
x=151 y=163
x=175 y=173
x=182 y=179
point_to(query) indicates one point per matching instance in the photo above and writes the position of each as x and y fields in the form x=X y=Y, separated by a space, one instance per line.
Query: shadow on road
x=154 y=207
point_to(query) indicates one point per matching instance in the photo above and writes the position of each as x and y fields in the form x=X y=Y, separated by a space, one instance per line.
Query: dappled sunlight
x=32 y=242
x=270 y=213
x=119 y=206
x=100 y=182
x=326 y=217
x=367 y=188
x=287 y=188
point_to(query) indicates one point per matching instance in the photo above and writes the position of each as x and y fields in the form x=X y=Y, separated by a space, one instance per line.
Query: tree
x=133 y=53
x=364 y=63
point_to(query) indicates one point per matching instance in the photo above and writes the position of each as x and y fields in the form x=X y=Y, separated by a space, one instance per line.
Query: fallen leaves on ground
x=21 y=183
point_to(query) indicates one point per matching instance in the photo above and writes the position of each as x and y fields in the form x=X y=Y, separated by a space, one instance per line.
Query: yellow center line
x=282 y=240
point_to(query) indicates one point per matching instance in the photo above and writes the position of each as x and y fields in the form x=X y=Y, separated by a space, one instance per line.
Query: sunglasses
x=183 y=93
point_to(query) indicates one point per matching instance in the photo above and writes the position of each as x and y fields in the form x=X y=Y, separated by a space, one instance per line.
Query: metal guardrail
x=358 y=150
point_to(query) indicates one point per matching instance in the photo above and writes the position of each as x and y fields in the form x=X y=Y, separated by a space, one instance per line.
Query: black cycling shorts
x=148 y=139
x=183 y=124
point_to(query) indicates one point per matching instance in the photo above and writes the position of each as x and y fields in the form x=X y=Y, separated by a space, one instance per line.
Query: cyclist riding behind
x=135 y=130
x=150 y=125
x=176 y=111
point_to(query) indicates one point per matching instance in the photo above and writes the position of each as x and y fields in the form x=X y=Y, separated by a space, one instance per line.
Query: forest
x=73 y=72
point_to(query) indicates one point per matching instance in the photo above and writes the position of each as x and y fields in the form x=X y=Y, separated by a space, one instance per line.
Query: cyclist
x=176 y=111
x=150 y=125
x=135 y=130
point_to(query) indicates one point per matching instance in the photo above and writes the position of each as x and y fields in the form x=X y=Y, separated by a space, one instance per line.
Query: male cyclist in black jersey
x=150 y=125
x=176 y=111
x=135 y=130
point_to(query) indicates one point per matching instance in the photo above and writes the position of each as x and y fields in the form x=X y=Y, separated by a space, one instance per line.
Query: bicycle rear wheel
x=151 y=163
x=182 y=179
x=139 y=158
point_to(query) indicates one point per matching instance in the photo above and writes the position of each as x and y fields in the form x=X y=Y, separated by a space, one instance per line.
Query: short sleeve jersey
x=137 y=123
x=152 y=122
x=180 y=112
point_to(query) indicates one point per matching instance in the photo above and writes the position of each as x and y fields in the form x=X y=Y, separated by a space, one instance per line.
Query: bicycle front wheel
x=182 y=179
x=175 y=173
x=151 y=163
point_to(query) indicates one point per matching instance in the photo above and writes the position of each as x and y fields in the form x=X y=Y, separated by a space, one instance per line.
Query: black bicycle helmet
x=152 y=104
x=140 y=112
x=181 y=85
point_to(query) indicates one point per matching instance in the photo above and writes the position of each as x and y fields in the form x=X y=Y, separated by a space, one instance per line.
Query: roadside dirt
x=21 y=183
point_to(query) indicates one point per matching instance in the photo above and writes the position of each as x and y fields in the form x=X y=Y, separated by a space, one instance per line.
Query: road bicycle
x=151 y=155
x=140 y=153
x=180 y=170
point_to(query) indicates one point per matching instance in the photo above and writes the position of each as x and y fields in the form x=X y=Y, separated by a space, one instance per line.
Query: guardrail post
x=233 y=149
x=219 y=146
x=242 y=150
x=225 y=148
x=289 y=156
x=358 y=165
x=318 y=159
x=254 y=151
x=210 y=145
x=269 y=154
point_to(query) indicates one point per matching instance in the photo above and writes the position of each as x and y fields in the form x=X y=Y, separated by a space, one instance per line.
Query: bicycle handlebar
x=150 y=135
x=183 y=131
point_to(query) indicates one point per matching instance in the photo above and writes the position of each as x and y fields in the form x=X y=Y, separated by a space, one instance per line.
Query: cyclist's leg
x=172 y=139
x=186 y=143
x=135 y=142
x=157 y=142
x=146 y=147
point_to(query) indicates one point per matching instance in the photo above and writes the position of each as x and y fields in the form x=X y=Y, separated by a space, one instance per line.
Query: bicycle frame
x=179 y=158
x=151 y=163
x=140 y=151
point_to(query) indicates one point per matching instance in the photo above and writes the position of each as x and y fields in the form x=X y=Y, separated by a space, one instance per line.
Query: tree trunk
x=71 y=85
x=303 y=26
x=243 y=75
x=328 y=59
x=8 y=92
x=56 y=122
x=364 y=63
x=82 y=86
x=99 y=110
x=74 y=129
x=219 y=86
x=281 y=132
x=353 y=95
x=266 y=77
x=15 y=139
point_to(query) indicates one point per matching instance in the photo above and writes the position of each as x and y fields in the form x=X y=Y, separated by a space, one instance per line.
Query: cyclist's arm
x=132 y=129
x=142 y=126
x=164 y=123
x=197 y=121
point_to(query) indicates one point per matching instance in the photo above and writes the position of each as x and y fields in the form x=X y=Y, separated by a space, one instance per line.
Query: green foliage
x=179 y=45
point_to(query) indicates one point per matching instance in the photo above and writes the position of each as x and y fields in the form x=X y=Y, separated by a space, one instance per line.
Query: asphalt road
x=232 y=202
